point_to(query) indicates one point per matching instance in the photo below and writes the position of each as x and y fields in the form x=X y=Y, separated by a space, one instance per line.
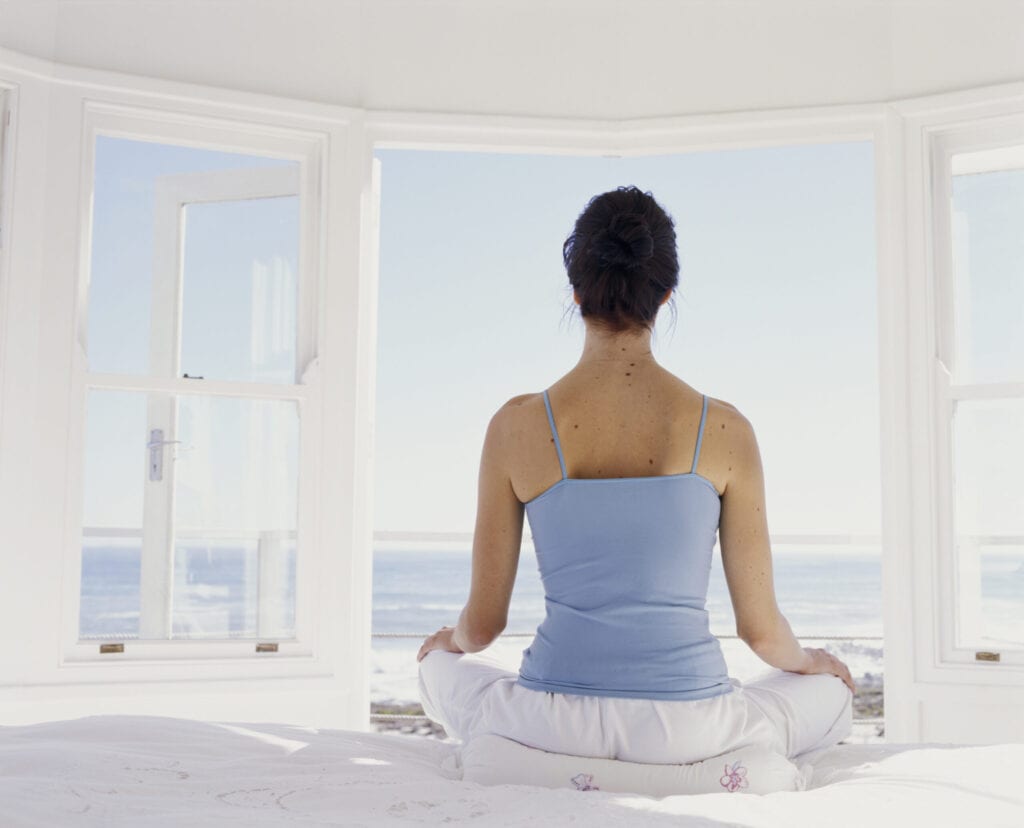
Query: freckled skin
x=660 y=398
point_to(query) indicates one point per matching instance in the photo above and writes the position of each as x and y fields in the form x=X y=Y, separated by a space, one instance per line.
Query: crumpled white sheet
x=158 y=771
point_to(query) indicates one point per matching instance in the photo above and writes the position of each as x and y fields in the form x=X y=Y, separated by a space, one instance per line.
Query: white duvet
x=149 y=770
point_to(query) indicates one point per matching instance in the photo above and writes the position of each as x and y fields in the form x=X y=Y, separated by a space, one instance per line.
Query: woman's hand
x=441 y=640
x=822 y=661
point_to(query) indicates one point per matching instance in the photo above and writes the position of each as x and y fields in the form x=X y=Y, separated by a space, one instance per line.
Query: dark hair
x=621 y=258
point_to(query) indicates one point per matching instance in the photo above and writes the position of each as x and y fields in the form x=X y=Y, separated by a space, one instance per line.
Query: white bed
x=149 y=770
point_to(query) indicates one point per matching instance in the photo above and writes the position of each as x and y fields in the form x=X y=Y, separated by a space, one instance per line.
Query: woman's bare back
x=634 y=421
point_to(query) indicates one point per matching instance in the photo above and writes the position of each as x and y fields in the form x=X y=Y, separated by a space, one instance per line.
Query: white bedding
x=148 y=770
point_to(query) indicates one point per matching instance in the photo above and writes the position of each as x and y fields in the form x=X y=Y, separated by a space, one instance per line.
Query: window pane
x=241 y=588
x=988 y=267
x=240 y=290
x=190 y=517
x=114 y=473
x=988 y=450
x=236 y=495
x=109 y=606
x=228 y=310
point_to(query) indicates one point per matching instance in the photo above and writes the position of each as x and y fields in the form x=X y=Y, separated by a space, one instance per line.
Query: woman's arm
x=497 y=538
x=747 y=560
x=746 y=553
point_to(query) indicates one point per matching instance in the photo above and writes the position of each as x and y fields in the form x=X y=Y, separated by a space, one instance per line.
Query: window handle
x=156 y=453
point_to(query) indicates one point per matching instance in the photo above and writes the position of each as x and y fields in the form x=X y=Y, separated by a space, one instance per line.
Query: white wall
x=565 y=58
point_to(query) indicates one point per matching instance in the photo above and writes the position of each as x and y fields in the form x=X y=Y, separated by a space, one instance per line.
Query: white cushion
x=495 y=760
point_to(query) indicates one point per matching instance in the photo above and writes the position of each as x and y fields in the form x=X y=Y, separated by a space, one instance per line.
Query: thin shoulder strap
x=700 y=434
x=554 y=432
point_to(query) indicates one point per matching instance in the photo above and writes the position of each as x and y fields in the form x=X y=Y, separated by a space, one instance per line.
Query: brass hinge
x=982 y=656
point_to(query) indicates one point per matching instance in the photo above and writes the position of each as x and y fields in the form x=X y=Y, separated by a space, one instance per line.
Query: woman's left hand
x=441 y=640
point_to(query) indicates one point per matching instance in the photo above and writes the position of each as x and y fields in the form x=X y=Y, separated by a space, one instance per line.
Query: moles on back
x=637 y=420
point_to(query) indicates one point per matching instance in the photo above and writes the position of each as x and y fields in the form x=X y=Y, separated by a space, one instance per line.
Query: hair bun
x=626 y=242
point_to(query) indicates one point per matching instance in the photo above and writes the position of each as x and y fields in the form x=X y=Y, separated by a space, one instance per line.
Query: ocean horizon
x=822 y=592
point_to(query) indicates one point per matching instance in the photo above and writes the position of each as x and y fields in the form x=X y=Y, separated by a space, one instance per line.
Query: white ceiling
x=567 y=58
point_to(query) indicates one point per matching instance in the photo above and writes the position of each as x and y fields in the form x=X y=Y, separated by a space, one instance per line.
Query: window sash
x=999 y=133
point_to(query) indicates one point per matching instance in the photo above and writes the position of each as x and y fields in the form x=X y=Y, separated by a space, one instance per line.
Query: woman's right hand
x=822 y=661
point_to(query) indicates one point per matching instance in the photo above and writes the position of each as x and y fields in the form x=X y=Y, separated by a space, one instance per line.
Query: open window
x=197 y=378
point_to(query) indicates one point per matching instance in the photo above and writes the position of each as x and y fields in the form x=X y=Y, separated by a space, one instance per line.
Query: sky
x=776 y=313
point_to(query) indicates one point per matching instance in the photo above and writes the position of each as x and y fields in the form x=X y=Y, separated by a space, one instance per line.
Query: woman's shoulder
x=510 y=414
x=730 y=420
x=519 y=399
x=716 y=407
x=727 y=407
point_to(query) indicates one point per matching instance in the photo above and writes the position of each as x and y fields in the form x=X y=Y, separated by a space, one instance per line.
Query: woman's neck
x=607 y=349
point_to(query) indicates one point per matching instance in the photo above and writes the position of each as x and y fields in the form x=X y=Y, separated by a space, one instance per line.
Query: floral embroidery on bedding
x=734 y=778
x=582 y=782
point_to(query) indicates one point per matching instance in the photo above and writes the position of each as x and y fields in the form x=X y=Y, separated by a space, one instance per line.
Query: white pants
x=791 y=713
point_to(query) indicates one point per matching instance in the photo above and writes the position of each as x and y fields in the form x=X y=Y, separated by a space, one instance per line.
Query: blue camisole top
x=625 y=563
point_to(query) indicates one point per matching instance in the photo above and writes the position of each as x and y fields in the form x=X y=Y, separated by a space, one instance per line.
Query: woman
x=626 y=473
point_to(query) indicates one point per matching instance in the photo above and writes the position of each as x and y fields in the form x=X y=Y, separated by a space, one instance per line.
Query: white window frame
x=171 y=659
x=926 y=675
x=943 y=144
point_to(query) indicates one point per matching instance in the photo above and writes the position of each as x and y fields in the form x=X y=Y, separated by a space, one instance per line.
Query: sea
x=831 y=596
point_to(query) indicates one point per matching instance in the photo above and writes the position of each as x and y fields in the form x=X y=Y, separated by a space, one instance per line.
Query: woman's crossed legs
x=791 y=713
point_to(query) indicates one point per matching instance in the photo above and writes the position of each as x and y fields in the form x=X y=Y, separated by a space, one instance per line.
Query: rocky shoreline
x=416 y=727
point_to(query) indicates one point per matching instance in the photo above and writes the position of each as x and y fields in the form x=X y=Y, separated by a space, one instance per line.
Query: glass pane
x=114 y=473
x=988 y=451
x=235 y=588
x=240 y=290
x=988 y=269
x=238 y=287
x=110 y=588
x=217 y=481
x=235 y=503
